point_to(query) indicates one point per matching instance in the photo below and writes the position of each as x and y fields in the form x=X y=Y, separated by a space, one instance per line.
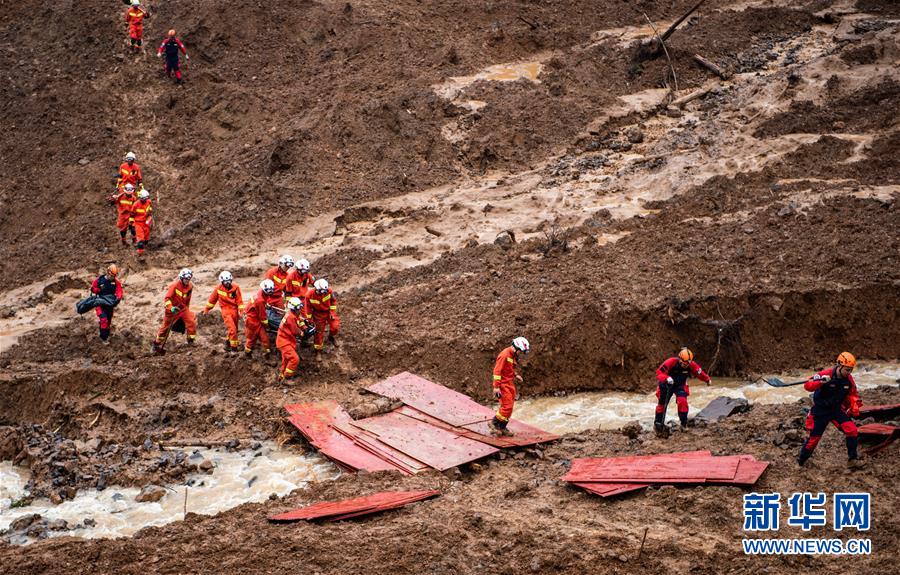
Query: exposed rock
x=150 y=493
x=24 y=522
x=634 y=134
x=505 y=239
x=722 y=407
x=631 y=430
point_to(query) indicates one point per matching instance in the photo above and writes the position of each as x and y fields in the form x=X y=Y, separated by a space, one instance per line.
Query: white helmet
x=268 y=286
x=521 y=344
x=129 y=188
x=286 y=261
x=321 y=285
x=303 y=265
x=130 y=157
x=144 y=195
x=185 y=274
x=225 y=277
x=135 y=3
x=295 y=304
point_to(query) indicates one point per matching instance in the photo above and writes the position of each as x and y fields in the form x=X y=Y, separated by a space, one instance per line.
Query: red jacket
x=178 y=295
x=322 y=304
x=279 y=278
x=135 y=18
x=103 y=286
x=125 y=203
x=292 y=326
x=129 y=174
x=850 y=402
x=141 y=212
x=300 y=284
x=672 y=368
x=256 y=306
x=505 y=367
x=226 y=298
x=181 y=48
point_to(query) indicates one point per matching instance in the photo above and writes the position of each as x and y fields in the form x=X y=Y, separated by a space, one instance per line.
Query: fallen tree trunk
x=712 y=67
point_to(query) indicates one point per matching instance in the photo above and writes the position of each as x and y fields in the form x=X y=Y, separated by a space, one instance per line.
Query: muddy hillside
x=462 y=173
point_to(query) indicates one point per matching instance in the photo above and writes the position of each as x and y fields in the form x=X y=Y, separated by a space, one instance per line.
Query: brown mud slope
x=290 y=109
x=565 y=198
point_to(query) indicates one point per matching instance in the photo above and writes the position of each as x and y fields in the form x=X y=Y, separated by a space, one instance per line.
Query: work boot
x=804 y=455
x=333 y=340
x=158 y=349
x=248 y=353
x=854 y=464
x=661 y=430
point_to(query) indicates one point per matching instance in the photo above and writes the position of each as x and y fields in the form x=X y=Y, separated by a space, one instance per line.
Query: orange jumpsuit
x=232 y=305
x=135 y=19
x=141 y=220
x=292 y=327
x=125 y=206
x=323 y=308
x=129 y=174
x=300 y=284
x=178 y=296
x=280 y=279
x=505 y=381
x=256 y=320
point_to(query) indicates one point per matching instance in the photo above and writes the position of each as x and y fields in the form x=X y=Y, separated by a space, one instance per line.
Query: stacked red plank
x=437 y=428
x=881 y=434
x=608 y=476
x=880 y=412
x=347 y=508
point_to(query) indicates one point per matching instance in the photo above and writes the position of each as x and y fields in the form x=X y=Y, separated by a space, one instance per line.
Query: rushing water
x=611 y=410
x=239 y=477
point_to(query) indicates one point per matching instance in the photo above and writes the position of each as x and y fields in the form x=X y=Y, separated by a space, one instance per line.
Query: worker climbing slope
x=835 y=400
x=293 y=326
x=171 y=46
x=107 y=285
x=142 y=220
x=256 y=320
x=134 y=17
x=124 y=202
x=504 y=384
x=177 y=312
x=322 y=303
x=671 y=378
x=231 y=303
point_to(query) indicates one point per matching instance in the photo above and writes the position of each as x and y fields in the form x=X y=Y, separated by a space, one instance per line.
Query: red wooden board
x=336 y=510
x=371 y=443
x=435 y=400
x=688 y=467
x=879 y=411
x=496 y=441
x=610 y=489
x=592 y=469
x=524 y=434
x=878 y=429
x=314 y=422
x=431 y=445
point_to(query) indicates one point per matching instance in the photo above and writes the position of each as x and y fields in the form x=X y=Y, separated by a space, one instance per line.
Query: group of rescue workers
x=303 y=307
x=291 y=306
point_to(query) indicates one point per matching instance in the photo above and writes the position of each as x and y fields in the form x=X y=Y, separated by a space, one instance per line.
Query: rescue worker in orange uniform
x=256 y=319
x=300 y=281
x=835 y=400
x=134 y=17
x=279 y=275
x=293 y=326
x=107 y=285
x=129 y=172
x=141 y=220
x=505 y=378
x=124 y=202
x=177 y=307
x=231 y=303
x=671 y=379
x=322 y=303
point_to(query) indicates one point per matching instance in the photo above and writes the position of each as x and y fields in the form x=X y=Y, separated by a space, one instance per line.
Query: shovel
x=775 y=382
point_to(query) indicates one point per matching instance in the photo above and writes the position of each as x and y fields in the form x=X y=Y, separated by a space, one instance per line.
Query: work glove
x=519 y=378
x=186 y=57
x=670 y=381
x=158 y=55
x=174 y=309
x=517 y=395
x=822 y=378
x=496 y=393
x=708 y=383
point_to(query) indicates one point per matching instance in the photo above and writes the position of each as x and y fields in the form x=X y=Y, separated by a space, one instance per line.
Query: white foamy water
x=611 y=410
x=239 y=477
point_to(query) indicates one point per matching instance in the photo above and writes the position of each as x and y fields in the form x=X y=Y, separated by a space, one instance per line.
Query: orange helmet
x=846 y=359
x=171 y=32
x=112 y=269
x=685 y=355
